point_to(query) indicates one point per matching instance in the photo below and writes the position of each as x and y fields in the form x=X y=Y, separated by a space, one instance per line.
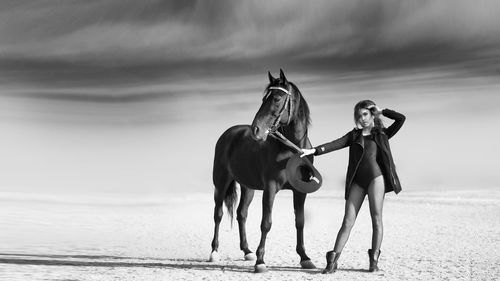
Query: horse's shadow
x=131 y=262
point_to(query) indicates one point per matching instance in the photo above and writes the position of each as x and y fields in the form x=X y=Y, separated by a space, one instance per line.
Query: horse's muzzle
x=258 y=134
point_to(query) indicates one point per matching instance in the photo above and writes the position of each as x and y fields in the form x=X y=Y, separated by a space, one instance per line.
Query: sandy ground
x=452 y=235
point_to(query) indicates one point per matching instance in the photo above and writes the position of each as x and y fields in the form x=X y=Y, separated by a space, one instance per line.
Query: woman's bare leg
x=376 y=194
x=352 y=206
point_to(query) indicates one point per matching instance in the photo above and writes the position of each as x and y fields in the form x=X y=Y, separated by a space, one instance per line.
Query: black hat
x=302 y=175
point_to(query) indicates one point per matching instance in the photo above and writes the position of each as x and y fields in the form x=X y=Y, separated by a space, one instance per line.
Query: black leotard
x=368 y=168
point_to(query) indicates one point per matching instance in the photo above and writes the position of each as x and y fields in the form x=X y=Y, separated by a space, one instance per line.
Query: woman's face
x=365 y=118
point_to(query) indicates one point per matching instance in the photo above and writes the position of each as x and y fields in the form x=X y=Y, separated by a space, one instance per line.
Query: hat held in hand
x=302 y=175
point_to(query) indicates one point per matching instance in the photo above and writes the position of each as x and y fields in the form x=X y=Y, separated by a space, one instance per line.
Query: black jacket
x=381 y=136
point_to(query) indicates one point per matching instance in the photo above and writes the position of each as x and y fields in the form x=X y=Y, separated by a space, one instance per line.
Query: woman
x=370 y=171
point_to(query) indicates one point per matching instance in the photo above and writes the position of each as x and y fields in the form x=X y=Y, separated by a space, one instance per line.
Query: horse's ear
x=271 y=78
x=282 y=77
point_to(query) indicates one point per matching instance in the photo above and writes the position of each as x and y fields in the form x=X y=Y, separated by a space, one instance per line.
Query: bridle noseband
x=287 y=105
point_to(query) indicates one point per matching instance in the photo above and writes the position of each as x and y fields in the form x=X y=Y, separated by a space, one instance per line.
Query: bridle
x=273 y=130
x=288 y=104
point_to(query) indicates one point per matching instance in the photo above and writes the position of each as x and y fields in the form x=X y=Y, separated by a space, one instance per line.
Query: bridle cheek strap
x=288 y=105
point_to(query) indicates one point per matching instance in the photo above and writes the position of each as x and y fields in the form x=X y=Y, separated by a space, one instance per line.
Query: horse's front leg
x=265 y=225
x=298 y=205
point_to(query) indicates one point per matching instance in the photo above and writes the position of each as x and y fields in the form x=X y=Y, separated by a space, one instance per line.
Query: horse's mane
x=303 y=112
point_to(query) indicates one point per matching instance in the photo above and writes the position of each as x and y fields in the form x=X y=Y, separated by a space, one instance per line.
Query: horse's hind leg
x=241 y=215
x=298 y=205
x=221 y=186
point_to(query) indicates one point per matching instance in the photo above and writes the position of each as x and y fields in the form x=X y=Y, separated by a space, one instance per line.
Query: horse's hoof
x=260 y=268
x=250 y=257
x=214 y=257
x=307 y=264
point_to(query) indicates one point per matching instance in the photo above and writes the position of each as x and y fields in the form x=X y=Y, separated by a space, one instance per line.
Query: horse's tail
x=230 y=200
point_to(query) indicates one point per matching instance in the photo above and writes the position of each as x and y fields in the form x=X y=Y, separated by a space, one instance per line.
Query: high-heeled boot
x=373 y=259
x=331 y=262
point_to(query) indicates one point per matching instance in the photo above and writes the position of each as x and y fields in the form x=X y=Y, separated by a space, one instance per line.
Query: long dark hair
x=365 y=104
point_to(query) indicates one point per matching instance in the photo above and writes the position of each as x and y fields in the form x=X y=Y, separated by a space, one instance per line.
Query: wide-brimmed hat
x=302 y=175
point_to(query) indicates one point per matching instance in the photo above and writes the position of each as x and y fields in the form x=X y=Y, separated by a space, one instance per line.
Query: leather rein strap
x=279 y=136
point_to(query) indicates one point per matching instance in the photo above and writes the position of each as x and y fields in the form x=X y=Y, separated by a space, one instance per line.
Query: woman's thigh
x=376 y=195
x=353 y=203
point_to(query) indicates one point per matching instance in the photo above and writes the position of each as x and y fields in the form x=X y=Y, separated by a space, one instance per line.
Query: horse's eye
x=276 y=99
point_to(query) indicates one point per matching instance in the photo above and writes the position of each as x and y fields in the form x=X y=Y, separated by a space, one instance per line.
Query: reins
x=279 y=136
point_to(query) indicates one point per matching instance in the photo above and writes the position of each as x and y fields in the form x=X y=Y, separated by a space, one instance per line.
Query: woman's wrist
x=308 y=151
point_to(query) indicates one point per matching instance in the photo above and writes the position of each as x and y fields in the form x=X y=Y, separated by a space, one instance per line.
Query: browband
x=281 y=89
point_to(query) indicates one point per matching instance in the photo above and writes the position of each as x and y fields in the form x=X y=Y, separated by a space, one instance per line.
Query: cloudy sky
x=101 y=44
x=91 y=90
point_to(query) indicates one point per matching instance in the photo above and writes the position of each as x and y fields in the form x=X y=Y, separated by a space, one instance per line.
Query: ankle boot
x=331 y=262
x=373 y=259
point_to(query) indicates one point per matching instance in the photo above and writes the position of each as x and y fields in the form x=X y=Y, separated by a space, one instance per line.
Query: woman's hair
x=365 y=104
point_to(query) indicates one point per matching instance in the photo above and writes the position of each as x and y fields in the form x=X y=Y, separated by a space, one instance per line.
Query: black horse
x=246 y=155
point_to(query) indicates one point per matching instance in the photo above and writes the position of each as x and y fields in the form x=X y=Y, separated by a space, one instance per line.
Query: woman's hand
x=306 y=151
x=377 y=110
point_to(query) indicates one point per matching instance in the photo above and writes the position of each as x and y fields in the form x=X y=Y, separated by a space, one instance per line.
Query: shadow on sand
x=116 y=261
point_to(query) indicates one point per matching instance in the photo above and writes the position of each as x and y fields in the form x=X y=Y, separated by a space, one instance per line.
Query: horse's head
x=277 y=107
